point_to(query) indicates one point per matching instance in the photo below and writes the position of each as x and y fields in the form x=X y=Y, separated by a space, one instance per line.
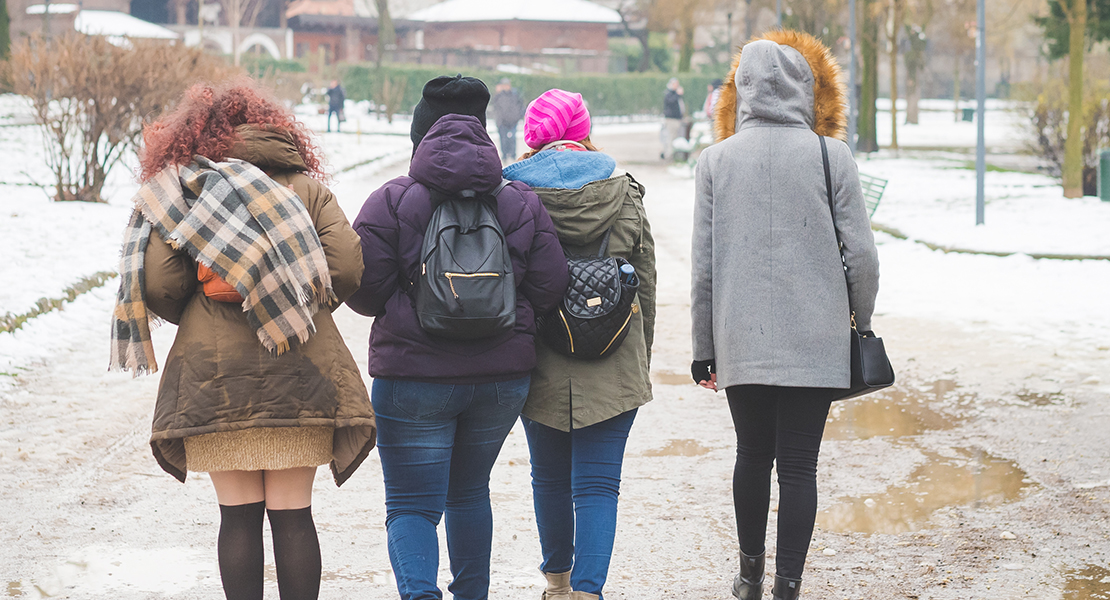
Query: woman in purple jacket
x=444 y=407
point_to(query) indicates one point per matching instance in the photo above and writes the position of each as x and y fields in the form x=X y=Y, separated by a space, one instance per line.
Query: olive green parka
x=571 y=393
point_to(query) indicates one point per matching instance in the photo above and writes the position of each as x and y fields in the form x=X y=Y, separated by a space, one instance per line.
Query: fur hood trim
x=829 y=93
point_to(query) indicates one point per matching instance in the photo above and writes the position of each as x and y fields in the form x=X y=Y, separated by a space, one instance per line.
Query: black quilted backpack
x=594 y=316
x=466 y=289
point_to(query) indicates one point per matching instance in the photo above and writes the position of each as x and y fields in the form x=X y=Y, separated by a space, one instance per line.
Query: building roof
x=565 y=11
x=112 y=24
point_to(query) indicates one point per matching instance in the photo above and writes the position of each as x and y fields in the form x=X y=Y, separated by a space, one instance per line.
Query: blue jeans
x=576 y=478
x=437 y=444
x=338 y=123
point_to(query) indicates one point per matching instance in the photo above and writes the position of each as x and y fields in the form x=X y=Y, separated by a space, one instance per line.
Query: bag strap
x=832 y=211
x=829 y=192
x=601 y=252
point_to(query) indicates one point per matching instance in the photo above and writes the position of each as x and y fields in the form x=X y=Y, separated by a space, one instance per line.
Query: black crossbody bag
x=871 y=368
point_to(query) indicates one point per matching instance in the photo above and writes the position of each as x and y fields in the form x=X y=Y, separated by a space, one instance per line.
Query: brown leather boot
x=558 y=586
x=748 y=584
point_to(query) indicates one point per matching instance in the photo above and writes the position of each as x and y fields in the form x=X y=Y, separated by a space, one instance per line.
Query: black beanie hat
x=448 y=95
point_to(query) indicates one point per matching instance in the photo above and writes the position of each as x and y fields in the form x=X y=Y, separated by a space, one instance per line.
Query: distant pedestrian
x=772 y=304
x=579 y=412
x=236 y=241
x=674 y=111
x=337 y=96
x=712 y=94
x=444 y=405
x=508 y=109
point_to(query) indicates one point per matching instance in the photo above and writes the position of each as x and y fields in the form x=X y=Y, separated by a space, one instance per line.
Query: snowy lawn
x=47 y=246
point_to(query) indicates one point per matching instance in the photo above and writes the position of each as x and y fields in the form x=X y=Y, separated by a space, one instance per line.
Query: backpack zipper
x=618 y=334
x=451 y=276
x=570 y=337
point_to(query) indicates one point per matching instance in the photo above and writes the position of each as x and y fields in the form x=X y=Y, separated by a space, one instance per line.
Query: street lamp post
x=778 y=13
x=981 y=97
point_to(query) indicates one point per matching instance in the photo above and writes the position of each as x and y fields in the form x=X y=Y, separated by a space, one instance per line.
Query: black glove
x=700 y=369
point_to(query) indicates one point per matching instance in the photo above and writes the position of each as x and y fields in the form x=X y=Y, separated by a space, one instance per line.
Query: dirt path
x=985 y=433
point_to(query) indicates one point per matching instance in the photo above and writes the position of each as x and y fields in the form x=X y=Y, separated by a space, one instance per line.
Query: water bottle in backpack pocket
x=466 y=289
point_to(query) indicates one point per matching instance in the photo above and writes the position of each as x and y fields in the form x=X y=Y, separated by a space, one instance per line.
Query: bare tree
x=240 y=14
x=91 y=99
x=636 y=11
x=682 y=17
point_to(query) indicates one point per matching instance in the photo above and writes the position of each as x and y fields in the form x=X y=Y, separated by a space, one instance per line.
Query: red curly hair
x=204 y=123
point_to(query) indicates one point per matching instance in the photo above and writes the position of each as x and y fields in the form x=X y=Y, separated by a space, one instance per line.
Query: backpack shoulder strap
x=500 y=186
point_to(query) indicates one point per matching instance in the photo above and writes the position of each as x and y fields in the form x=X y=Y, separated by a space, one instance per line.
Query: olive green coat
x=218 y=377
x=568 y=392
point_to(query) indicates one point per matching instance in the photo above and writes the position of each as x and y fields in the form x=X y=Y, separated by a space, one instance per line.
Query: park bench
x=872 y=191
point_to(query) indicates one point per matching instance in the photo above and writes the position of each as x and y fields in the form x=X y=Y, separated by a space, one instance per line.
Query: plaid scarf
x=250 y=230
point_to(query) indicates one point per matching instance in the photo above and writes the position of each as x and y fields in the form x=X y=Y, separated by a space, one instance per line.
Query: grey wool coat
x=770 y=301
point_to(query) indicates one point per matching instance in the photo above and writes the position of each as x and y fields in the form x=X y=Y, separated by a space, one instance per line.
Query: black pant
x=508 y=140
x=783 y=425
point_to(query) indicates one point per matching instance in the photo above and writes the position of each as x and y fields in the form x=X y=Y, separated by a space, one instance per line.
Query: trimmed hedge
x=607 y=94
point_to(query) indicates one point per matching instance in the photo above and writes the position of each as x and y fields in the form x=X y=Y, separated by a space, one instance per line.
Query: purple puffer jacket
x=456 y=154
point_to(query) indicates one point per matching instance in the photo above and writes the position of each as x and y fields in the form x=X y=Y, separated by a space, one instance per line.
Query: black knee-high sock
x=296 y=553
x=240 y=550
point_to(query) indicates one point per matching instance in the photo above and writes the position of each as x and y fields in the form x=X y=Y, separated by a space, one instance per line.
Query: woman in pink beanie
x=579 y=412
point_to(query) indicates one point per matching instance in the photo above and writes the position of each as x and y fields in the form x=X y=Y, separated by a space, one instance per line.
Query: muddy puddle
x=1090 y=583
x=679 y=448
x=1040 y=399
x=958 y=477
x=897 y=412
x=971 y=478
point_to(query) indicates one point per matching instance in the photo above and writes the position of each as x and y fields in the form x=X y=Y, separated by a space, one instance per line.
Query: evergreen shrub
x=608 y=94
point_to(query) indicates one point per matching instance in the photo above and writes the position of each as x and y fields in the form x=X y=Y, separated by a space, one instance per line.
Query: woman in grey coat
x=772 y=305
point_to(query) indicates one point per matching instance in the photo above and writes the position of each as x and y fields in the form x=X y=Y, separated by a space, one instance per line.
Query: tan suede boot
x=582 y=596
x=558 y=586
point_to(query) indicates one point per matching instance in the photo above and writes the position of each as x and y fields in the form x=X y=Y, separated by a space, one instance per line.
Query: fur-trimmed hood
x=786 y=77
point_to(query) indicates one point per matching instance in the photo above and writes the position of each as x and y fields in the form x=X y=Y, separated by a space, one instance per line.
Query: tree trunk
x=5 y=32
x=867 y=140
x=234 y=16
x=913 y=95
x=645 y=52
x=895 y=25
x=1073 y=146
x=387 y=35
x=749 y=21
x=687 y=47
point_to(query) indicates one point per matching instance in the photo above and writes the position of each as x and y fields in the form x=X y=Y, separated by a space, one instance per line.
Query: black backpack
x=594 y=316
x=466 y=289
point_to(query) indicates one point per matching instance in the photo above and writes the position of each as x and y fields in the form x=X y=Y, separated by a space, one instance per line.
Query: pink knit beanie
x=556 y=115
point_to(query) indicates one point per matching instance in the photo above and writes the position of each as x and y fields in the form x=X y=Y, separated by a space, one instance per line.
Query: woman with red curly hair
x=235 y=239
